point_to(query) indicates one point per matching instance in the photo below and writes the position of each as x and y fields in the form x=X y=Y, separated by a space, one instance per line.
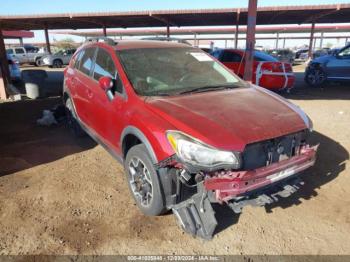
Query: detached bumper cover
x=234 y=184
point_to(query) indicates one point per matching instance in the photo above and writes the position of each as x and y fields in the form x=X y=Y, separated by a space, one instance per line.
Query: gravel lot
x=60 y=195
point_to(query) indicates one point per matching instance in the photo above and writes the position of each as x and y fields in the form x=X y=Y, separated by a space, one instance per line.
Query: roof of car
x=135 y=44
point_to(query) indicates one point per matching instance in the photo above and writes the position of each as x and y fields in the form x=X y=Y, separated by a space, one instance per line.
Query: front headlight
x=197 y=153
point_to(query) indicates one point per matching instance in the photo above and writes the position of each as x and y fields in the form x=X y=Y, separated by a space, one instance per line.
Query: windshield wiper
x=208 y=88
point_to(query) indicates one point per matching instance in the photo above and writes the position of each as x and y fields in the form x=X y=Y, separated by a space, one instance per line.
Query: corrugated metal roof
x=336 y=13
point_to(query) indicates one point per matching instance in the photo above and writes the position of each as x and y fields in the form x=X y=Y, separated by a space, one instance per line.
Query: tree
x=65 y=43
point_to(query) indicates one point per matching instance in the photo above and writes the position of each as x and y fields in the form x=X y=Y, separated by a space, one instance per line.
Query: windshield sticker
x=201 y=57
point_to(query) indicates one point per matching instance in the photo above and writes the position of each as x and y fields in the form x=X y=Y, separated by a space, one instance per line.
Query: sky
x=15 y=7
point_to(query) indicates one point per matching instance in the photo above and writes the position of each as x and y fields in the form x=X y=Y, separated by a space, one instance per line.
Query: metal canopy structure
x=336 y=13
x=209 y=31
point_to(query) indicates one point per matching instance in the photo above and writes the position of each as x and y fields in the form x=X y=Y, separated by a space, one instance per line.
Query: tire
x=144 y=185
x=37 y=62
x=72 y=121
x=57 y=63
x=315 y=77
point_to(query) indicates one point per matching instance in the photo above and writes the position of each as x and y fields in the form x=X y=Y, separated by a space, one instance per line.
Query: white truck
x=25 y=55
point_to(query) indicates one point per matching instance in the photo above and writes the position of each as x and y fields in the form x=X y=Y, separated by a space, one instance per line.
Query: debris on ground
x=53 y=116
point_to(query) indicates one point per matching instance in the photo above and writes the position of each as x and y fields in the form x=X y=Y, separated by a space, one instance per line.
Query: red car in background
x=268 y=72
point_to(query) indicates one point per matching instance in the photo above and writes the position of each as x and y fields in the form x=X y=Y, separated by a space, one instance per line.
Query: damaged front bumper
x=237 y=189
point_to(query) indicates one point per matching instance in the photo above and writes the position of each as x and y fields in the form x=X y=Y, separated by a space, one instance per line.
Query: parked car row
x=33 y=55
x=24 y=55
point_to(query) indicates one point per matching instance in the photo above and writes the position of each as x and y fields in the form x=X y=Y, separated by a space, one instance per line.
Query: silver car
x=15 y=72
x=58 y=59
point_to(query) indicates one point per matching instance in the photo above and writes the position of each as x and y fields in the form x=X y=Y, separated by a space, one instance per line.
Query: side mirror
x=106 y=84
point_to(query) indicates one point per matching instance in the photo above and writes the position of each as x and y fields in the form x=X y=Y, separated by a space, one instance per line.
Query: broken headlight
x=199 y=154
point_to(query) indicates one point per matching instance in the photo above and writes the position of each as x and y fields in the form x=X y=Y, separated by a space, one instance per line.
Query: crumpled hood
x=231 y=119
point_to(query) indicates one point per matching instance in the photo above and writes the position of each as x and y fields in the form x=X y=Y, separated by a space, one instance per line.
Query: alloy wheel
x=140 y=181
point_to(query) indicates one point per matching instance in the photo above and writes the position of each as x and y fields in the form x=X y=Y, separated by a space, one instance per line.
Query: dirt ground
x=60 y=195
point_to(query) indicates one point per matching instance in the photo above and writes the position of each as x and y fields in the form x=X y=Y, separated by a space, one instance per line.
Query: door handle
x=89 y=93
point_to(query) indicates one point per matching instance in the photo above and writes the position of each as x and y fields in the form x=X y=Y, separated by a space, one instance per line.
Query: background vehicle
x=58 y=59
x=268 y=72
x=334 y=67
x=188 y=131
x=15 y=72
x=282 y=55
x=301 y=55
x=23 y=56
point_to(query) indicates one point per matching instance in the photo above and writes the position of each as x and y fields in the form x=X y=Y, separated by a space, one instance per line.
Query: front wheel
x=143 y=181
x=57 y=63
x=315 y=77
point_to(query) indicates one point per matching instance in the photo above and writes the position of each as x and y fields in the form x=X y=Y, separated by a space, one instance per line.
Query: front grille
x=267 y=152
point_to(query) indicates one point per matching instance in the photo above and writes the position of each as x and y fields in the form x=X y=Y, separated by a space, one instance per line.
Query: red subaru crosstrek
x=188 y=131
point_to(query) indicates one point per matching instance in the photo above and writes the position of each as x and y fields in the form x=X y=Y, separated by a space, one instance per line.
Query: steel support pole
x=104 y=31
x=250 y=42
x=237 y=28
x=4 y=69
x=346 y=41
x=311 y=39
x=284 y=43
x=20 y=41
x=277 y=38
x=48 y=46
x=321 y=40
x=167 y=31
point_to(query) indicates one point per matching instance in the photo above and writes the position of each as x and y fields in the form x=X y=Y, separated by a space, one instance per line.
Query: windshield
x=171 y=71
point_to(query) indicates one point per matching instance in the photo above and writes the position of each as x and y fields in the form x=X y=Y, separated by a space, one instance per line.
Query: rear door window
x=9 y=51
x=19 y=51
x=87 y=60
x=78 y=59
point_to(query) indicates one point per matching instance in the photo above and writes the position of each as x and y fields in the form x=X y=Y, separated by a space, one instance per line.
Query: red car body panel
x=268 y=74
x=239 y=117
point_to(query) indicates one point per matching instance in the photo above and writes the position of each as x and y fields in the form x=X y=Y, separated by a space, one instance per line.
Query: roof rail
x=106 y=40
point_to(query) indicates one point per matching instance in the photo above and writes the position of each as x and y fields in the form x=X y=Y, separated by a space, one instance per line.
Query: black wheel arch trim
x=132 y=130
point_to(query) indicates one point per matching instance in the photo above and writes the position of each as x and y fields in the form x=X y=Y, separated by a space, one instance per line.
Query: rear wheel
x=72 y=121
x=143 y=181
x=57 y=63
x=37 y=62
x=315 y=77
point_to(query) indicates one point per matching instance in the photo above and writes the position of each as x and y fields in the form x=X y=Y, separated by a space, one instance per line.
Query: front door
x=339 y=66
x=107 y=117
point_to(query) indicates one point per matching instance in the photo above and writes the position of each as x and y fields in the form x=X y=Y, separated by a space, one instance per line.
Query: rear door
x=82 y=84
x=20 y=55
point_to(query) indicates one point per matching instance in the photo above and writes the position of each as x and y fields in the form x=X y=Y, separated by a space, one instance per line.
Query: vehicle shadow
x=331 y=158
x=330 y=91
x=24 y=144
